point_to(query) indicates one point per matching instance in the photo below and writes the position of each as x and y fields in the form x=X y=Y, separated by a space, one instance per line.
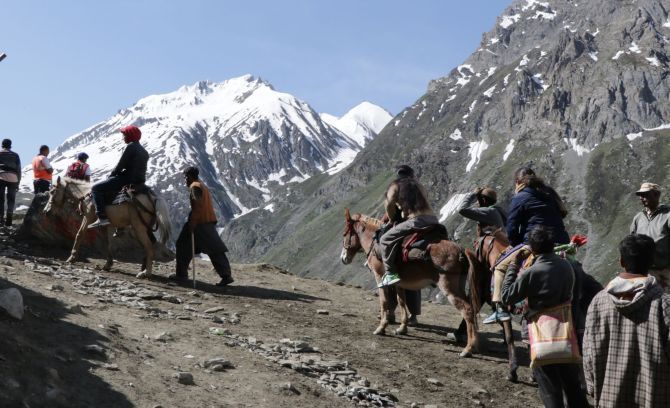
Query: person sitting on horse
x=80 y=170
x=534 y=204
x=131 y=169
x=200 y=229
x=488 y=215
x=407 y=205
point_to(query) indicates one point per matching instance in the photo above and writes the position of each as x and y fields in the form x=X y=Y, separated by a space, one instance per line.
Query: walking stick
x=193 y=253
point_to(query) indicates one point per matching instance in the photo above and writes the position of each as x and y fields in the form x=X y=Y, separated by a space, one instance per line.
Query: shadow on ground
x=40 y=351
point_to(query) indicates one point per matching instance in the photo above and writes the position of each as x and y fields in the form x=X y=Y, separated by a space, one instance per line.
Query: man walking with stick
x=199 y=234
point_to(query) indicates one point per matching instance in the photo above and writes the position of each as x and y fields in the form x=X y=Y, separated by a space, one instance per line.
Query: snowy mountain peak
x=362 y=123
x=247 y=139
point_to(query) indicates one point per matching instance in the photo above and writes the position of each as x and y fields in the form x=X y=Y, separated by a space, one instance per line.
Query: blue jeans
x=100 y=190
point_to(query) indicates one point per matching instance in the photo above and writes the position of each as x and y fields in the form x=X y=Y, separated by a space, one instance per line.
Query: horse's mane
x=369 y=221
x=78 y=188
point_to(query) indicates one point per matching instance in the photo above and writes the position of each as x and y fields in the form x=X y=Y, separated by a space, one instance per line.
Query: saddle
x=128 y=193
x=415 y=246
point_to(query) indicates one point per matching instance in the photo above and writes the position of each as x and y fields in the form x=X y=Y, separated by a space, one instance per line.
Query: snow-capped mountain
x=362 y=123
x=247 y=139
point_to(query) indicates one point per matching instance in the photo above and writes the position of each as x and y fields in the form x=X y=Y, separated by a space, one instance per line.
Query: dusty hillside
x=91 y=338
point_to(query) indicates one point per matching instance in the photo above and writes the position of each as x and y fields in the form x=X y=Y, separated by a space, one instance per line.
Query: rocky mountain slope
x=248 y=139
x=578 y=90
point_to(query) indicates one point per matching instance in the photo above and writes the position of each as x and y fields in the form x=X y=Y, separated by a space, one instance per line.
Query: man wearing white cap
x=654 y=221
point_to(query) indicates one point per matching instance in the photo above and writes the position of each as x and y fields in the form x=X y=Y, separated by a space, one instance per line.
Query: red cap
x=131 y=133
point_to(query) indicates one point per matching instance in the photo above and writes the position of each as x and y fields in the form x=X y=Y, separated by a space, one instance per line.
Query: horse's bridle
x=349 y=231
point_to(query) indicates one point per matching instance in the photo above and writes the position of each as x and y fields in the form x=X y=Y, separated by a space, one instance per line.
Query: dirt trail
x=142 y=336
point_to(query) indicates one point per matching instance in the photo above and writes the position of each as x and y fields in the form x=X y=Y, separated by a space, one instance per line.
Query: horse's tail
x=474 y=269
x=163 y=220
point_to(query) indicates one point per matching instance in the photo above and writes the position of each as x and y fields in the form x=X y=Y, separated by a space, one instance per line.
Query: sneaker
x=389 y=279
x=226 y=281
x=100 y=222
x=497 y=316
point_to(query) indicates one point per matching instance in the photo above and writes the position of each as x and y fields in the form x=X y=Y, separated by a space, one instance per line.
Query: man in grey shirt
x=488 y=214
x=654 y=221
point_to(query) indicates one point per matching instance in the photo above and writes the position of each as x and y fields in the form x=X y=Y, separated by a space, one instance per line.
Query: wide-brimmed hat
x=648 y=187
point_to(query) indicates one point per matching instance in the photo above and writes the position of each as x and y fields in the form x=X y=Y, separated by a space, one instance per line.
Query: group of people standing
x=626 y=332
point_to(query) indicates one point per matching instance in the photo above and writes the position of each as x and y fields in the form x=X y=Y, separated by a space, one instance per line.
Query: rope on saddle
x=152 y=225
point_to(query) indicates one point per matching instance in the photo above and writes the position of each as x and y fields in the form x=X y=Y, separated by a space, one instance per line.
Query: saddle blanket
x=415 y=245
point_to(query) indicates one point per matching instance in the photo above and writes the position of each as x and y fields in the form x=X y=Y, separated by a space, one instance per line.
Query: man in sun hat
x=654 y=221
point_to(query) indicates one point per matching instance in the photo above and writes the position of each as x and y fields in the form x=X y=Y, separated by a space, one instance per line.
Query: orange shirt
x=40 y=167
x=202 y=211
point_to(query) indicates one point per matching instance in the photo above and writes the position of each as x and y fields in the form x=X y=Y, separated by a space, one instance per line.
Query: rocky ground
x=105 y=339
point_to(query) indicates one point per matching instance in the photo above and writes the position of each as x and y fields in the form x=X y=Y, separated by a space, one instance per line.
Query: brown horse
x=490 y=248
x=452 y=269
x=127 y=214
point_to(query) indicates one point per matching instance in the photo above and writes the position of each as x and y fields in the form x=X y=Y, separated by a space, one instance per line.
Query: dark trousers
x=102 y=188
x=41 y=186
x=554 y=379
x=208 y=241
x=412 y=297
x=10 y=190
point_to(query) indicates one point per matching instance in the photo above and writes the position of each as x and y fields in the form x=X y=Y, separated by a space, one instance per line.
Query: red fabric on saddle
x=407 y=245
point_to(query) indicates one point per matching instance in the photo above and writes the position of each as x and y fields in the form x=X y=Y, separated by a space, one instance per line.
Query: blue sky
x=74 y=63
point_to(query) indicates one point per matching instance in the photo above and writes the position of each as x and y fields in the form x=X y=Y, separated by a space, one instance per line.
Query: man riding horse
x=407 y=204
x=131 y=169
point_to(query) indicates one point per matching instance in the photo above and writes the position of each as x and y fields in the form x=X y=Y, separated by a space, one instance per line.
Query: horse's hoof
x=107 y=268
x=512 y=377
x=465 y=354
x=401 y=330
x=143 y=275
x=379 y=332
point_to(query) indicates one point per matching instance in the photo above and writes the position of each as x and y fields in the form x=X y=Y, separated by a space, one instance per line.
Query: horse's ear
x=347 y=215
x=58 y=181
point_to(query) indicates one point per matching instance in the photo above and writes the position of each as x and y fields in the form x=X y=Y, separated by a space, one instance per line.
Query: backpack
x=77 y=170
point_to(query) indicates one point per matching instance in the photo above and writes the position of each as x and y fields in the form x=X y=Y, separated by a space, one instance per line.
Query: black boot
x=8 y=220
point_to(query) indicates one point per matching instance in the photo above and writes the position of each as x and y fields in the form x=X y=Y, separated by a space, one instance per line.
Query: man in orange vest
x=202 y=224
x=42 y=171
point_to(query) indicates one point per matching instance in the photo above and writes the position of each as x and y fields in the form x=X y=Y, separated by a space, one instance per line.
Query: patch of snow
x=456 y=134
x=634 y=48
x=617 y=55
x=524 y=61
x=533 y=4
x=476 y=150
x=594 y=56
x=654 y=61
x=506 y=80
x=579 y=149
x=489 y=92
x=508 y=149
x=450 y=207
x=270 y=207
x=451 y=98
x=494 y=40
x=667 y=23
x=508 y=21
x=633 y=136
x=537 y=78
